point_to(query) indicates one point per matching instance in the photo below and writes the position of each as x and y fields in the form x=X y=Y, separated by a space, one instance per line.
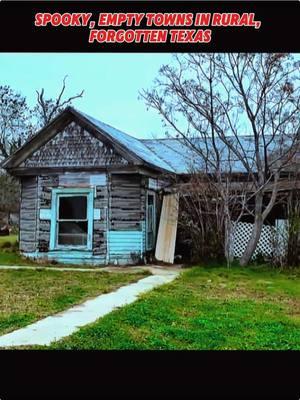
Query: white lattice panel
x=282 y=237
x=241 y=237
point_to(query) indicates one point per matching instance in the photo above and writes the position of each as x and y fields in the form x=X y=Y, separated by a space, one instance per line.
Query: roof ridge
x=164 y=138
x=198 y=138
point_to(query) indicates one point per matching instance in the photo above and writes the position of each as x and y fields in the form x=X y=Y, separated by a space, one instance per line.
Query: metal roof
x=133 y=144
x=174 y=155
x=168 y=154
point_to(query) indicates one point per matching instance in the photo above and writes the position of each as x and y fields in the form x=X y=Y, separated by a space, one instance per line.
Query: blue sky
x=111 y=83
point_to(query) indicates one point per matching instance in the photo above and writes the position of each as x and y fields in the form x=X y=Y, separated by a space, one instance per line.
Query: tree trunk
x=256 y=231
x=228 y=236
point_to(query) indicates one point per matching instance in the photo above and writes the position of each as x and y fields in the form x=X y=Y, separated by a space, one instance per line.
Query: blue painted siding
x=143 y=223
x=69 y=257
x=121 y=244
x=45 y=213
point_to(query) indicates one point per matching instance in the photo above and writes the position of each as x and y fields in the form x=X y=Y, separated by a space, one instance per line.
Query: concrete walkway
x=63 y=324
x=154 y=269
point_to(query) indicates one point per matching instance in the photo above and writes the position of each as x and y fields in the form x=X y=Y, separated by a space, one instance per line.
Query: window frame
x=71 y=192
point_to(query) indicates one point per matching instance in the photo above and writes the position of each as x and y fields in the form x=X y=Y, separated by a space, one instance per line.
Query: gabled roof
x=129 y=147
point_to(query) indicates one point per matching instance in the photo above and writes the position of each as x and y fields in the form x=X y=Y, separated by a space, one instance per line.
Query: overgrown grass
x=26 y=295
x=9 y=254
x=13 y=258
x=205 y=308
x=12 y=239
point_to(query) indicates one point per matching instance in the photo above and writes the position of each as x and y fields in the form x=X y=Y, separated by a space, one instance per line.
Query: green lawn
x=9 y=254
x=26 y=295
x=11 y=239
x=12 y=258
x=205 y=308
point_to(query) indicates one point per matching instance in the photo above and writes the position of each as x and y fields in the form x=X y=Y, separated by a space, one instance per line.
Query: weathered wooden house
x=89 y=192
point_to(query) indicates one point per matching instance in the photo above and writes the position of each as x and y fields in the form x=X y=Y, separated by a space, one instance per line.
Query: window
x=72 y=221
x=150 y=221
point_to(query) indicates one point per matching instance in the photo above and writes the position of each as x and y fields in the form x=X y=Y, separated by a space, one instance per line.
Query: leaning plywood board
x=166 y=238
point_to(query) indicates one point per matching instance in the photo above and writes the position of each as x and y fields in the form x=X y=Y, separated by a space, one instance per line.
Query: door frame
x=150 y=193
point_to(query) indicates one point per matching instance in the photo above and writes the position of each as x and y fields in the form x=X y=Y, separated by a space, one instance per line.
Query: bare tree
x=15 y=126
x=15 y=121
x=9 y=195
x=220 y=98
x=208 y=208
x=18 y=121
x=47 y=109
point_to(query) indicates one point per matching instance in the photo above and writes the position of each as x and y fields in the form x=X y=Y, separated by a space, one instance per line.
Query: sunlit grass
x=28 y=295
x=205 y=308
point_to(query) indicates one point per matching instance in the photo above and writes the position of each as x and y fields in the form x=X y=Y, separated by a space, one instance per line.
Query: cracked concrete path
x=153 y=268
x=63 y=324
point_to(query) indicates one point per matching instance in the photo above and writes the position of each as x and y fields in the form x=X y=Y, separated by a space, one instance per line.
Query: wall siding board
x=125 y=246
x=67 y=257
x=28 y=214
x=126 y=241
x=100 y=225
x=125 y=211
x=45 y=185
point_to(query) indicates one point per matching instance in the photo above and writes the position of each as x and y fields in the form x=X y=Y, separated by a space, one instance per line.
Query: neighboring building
x=89 y=192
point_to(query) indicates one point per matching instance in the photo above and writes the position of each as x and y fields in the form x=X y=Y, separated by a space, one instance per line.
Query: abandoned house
x=93 y=194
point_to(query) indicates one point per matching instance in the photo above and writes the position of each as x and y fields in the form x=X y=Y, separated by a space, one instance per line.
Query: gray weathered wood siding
x=28 y=214
x=121 y=199
x=100 y=226
x=75 y=158
x=45 y=186
x=127 y=202
x=74 y=147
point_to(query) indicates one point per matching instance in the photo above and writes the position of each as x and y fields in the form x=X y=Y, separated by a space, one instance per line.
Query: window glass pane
x=150 y=199
x=72 y=233
x=150 y=218
x=73 y=207
x=150 y=239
